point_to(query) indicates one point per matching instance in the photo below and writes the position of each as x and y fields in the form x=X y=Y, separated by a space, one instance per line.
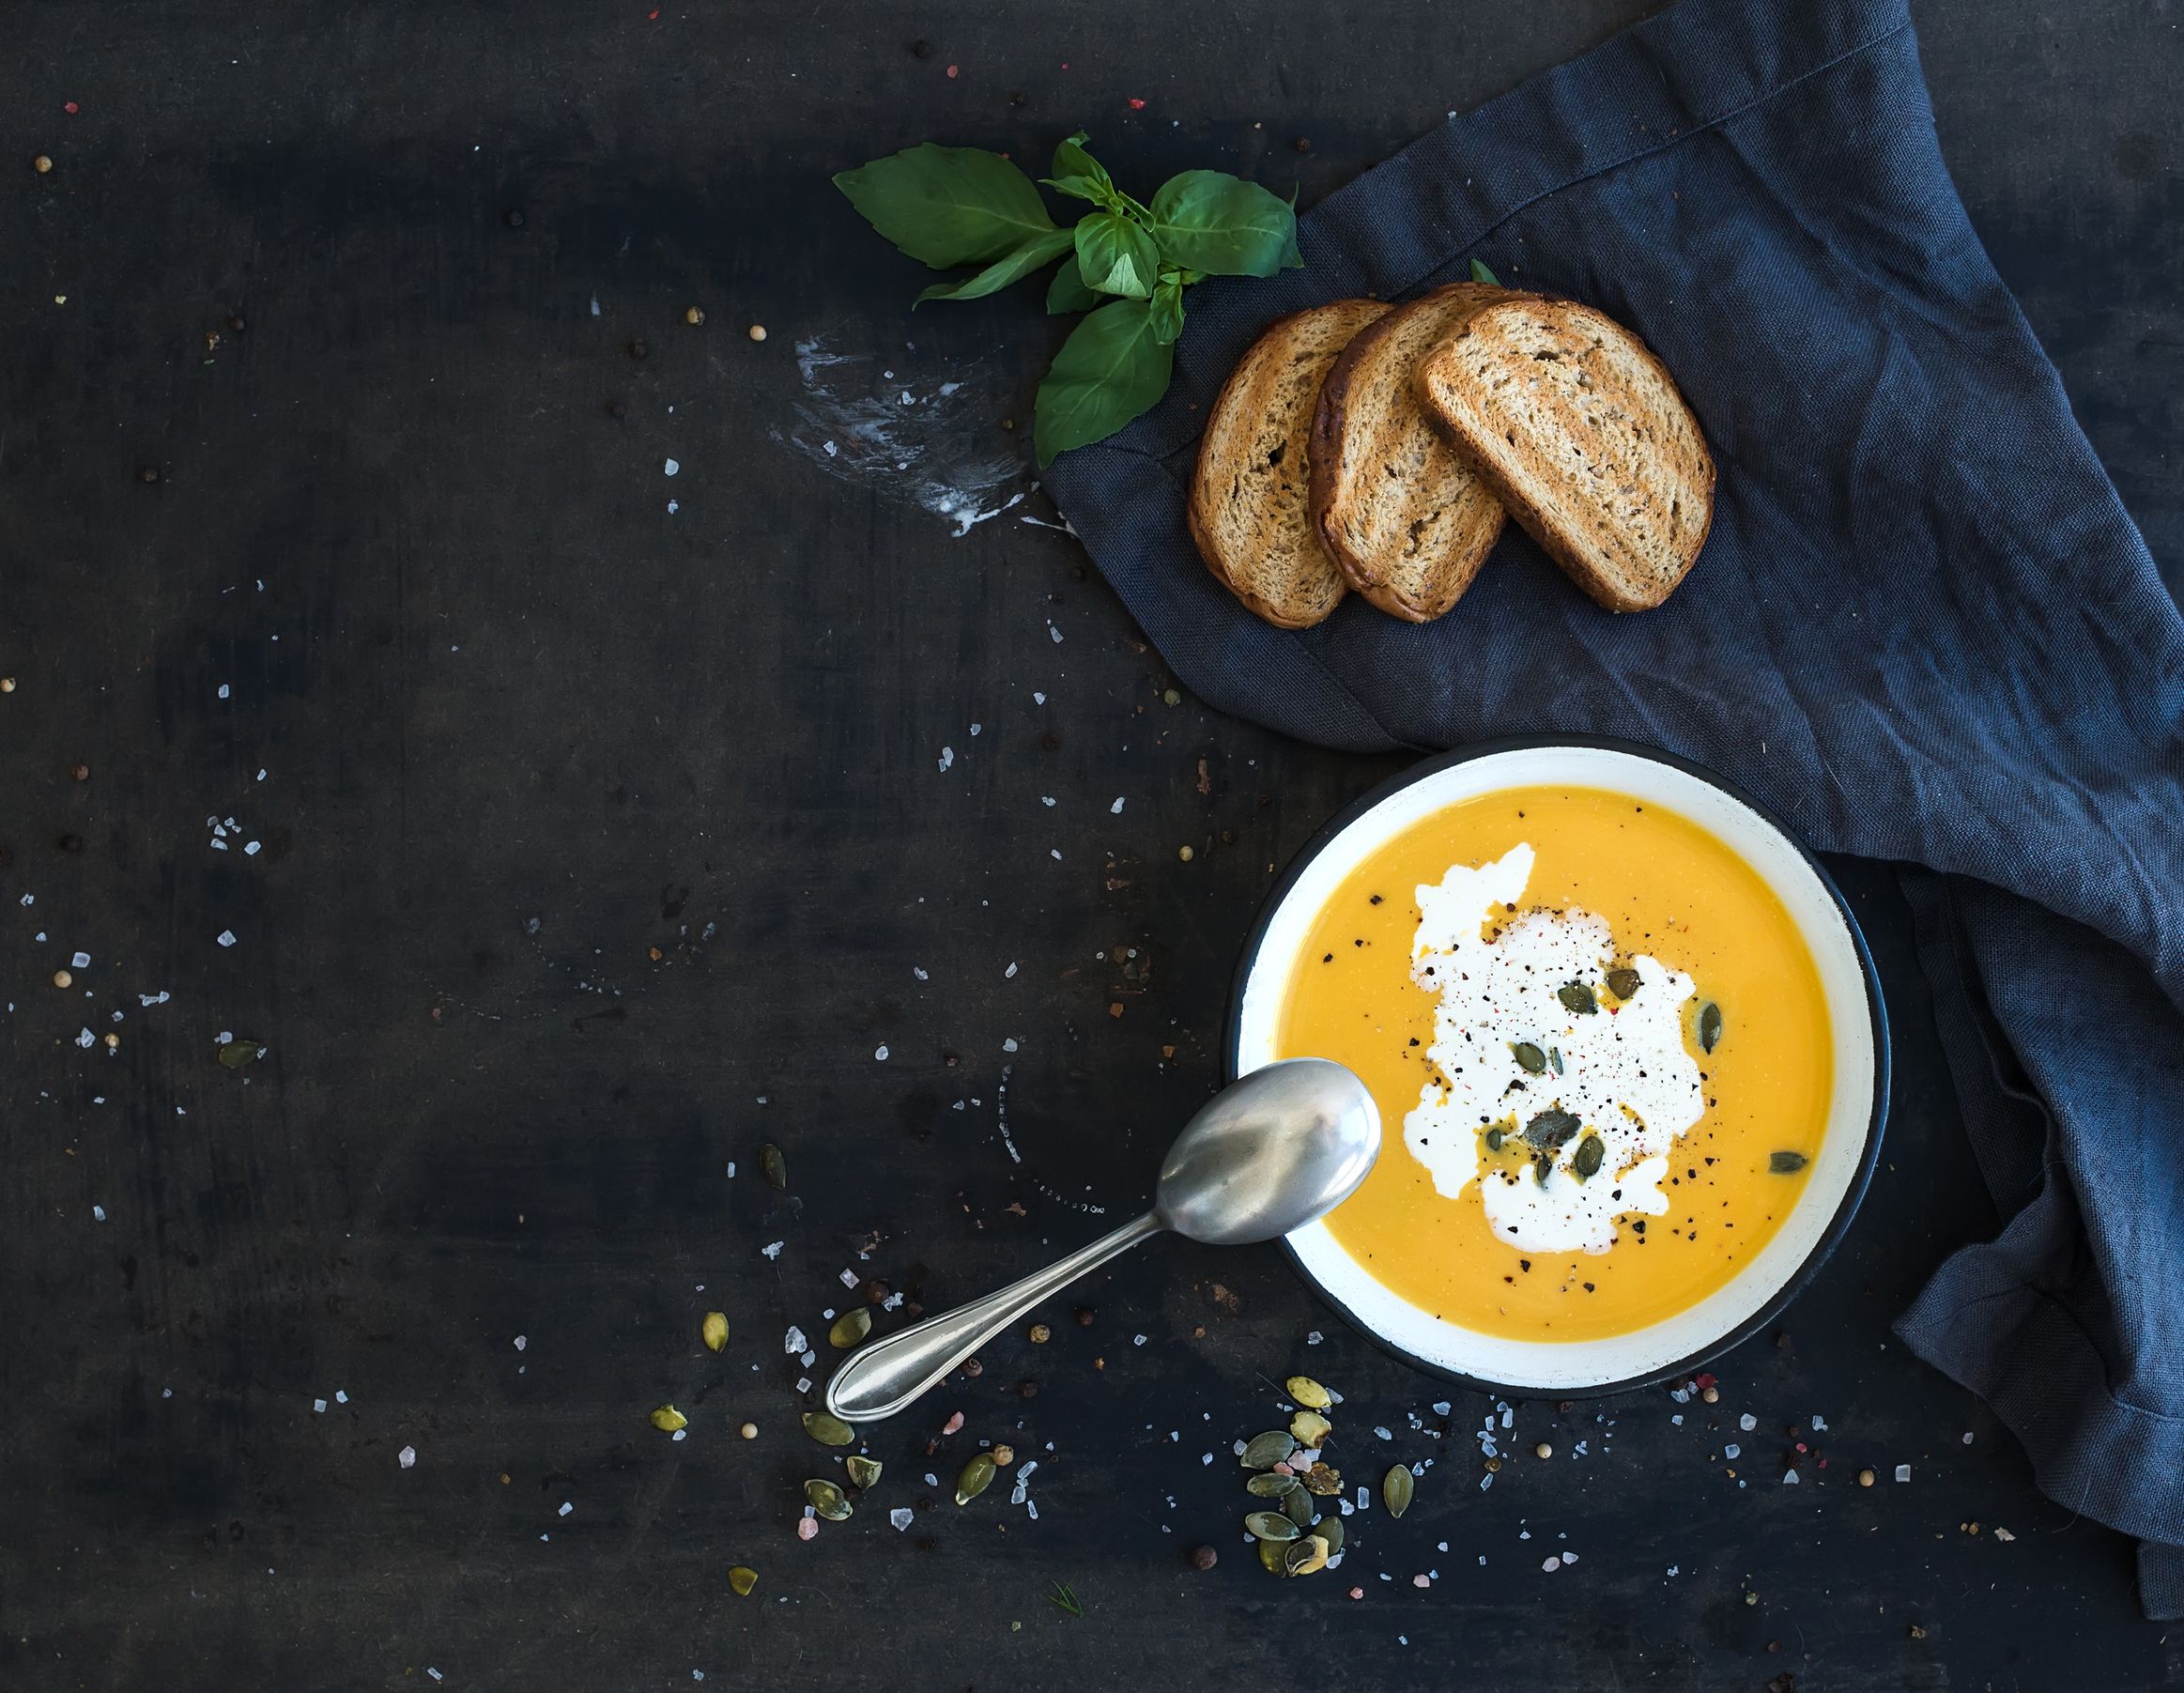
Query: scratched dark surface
x=500 y=724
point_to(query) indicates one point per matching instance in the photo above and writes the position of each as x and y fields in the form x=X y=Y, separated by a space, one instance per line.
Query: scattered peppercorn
x=1185 y=853
x=973 y=1367
x=616 y=410
x=1041 y=1334
x=1865 y=1478
x=6 y=684
x=694 y=315
x=1301 y=145
x=70 y=843
x=1542 y=1451
x=757 y=332
x=113 y=1044
x=1084 y=1314
x=62 y=978
x=1710 y=1395
x=41 y=164
x=636 y=349
x=147 y=472
x=1028 y=1388
x=921 y=50
x=235 y=325
x=81 y=772
x=749 y=1431
x=513 y=218
x=1204 y=1558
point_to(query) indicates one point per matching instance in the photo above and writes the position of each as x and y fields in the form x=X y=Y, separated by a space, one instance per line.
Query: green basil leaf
x=1080 y=175
x=1211 y=222
x=1015 y=266
x=1068 y=292
x=947 y=206
x=1110 y=369
x=1481 y=274
x=1116 y=257
x=1168 y=308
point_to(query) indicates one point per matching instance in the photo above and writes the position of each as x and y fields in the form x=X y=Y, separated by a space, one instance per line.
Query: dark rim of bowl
x=1876 y=1122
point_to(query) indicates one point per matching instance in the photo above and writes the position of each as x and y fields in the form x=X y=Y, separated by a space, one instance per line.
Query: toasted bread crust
x=1347 y=435
x=1271 y=557
x=1585 y=543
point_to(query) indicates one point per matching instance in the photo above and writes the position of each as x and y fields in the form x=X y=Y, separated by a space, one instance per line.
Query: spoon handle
x=887 y=1375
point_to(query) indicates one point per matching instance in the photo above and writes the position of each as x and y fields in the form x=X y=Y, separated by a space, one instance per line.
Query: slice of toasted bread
x=1248 y=496
x=1579 y=430
x=1400 y=512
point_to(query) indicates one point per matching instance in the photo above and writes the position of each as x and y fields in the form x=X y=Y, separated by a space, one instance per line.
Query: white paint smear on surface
x=933 y=443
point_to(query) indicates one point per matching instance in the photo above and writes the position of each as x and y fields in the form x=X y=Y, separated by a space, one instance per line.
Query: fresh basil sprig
x=1125 y=264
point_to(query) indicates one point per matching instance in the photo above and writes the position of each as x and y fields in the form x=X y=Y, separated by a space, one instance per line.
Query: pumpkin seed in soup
x=1586 y=1161
x=1709 y=1026
x=1529 y=1058
x=1624 y=982
x=1270 y=1525
x=1266 y=1451
x=1578 y=998
x=1786 y=1163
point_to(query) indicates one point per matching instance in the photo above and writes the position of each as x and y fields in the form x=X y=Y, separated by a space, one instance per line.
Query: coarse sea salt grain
x=794 y=1341
x=226 y=937
x=1903 y=1473
x=522 y=1341
x=1748 y=1421
x=902 y=1517
x=407 y=1457
x=772 y=1249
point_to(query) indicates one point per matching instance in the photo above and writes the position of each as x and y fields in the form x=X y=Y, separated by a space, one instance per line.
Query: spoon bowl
x=1270 y=1152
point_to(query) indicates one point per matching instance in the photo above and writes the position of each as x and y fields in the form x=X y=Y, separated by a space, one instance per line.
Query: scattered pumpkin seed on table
x=1310 y=1428
x=828 y=1500
x=1274 y=1556
x=1265 y=1451
x=977 y=1477
x=1306 y=1556
x=667 y=1419
x=713 y=1330
x=774 y=1166
x=829 y=1429
x=864 y=1471
x=1397 y=1488
x=1308 y=1392
x=850 y=1327
x=741 y=1579
x=1330 y=1528
x=1272 y=1484
x=1270 y=1525
x=1299 y=1508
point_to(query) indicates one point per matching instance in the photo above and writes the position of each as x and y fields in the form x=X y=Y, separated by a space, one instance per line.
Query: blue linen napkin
x=1923 y=628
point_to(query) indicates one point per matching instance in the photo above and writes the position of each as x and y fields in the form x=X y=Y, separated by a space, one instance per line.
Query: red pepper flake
x=1803 y=1447
x=70 y=107
x=652 y=16
x=1137 y=105
x=952 y=70
x=1703 y=1382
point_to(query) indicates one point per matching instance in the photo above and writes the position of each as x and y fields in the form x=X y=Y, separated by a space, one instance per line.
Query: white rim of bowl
x=1850 y=1147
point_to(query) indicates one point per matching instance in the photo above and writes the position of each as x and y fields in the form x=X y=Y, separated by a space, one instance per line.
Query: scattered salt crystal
x=808 y=1359
x=1818 y=1425
x=849 y=1278
x=1115 y=810
x=1137 y=1340
x=919 y=971
x=1420 y=1581
x=1441 y=1407
x=1381 y=1433
x=975 y=728
x=672 y=467
x=1313 y=1338
x=341 y=1396
x=1055 y=633
x=81 y=961
x=1207 y=1459
x=1008 y=1045
x=407 y=1457
x=1046 y=799
x=226 y=937
x=319 y=1405
x=1007 y=973
x=808 y=1528
x=1551 y=1565
x=567 y=1507
x=772 y=1250
x=880 y=1053
x=792 y=1342
x=902 y=1517
x=954 y=1423
x=1790 y=1478
x=804 y=1384
x=1903 y=1473
x=1038 y=698
x=521 y=1342
x=85 y=1037
x=1967 y=1436
x=1677 y=1418
x=2004 y=1534
x=1733 y=1450
x=947 y=756
x=98 y=1214
x=1748 y=1421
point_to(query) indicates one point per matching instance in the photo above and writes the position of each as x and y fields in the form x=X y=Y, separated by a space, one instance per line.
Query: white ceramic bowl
x=1856 y=1113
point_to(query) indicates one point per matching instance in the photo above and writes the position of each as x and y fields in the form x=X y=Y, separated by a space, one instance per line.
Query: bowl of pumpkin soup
x=1631 y=1038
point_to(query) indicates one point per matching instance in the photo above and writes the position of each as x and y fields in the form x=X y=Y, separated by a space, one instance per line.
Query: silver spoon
x=1269 y=1154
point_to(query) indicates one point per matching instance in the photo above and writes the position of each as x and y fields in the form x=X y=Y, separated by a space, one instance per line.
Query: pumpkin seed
x=1266 y=1451
x=1270 y=1525
x=741 y=1579
x=1587 y=1159
x=977 y=1477
x=1551 y=1128
x=1578 y=998
x=239 y=1055
x=713 y=1330
x=1300 y=1509
x=1395 y=1490
x=826 y=1498
x=829 y=1429
x=1273 y=1554
x=1494 y=1140
x=864 y=1471
x=1528 y=1058
x=1709 y=1026
x=1310 y=1428
x=1272 y=1483
x=1323 y=1479
x=1786 y=1163
x=850 y=1327
x=1308 y=1392
x=774 y=1166
x=1624 y=983
x=1330 y=1528
x=1307 y=1557
x=667 y=1419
